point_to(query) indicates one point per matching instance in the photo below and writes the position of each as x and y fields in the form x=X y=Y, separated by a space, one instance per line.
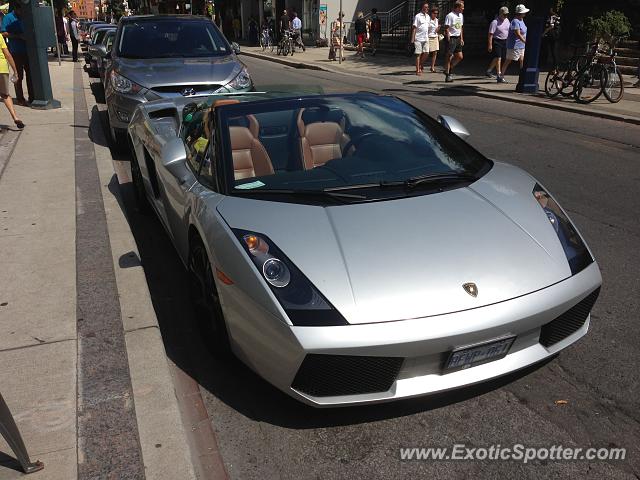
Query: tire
x=614 y=85
x=142 y=202
x=292 y=47
x=589 y=85
x=206 y=301
x=553 y=84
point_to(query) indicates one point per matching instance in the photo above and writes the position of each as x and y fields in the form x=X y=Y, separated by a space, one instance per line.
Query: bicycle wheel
x=292 y=47
x=614 y=87
x=279 y=48
x=262 y=43
x=553 y=83
x=589 y=84
x=271 y=44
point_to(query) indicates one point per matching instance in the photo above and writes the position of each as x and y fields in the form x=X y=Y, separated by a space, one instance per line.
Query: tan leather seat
x=250 y=158
x=320 y=141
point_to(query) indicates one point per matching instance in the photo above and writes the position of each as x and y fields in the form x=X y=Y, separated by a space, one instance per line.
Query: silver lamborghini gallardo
x=351 y=249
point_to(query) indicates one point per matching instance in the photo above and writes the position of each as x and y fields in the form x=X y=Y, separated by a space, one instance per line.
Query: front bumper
x=276 y=350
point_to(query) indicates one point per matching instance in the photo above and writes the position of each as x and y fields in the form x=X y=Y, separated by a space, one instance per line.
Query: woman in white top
x=433 y=34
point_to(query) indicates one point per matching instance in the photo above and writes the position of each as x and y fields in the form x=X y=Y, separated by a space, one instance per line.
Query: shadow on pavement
x=229 y=380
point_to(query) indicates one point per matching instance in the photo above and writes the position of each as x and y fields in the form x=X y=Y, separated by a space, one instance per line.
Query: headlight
x=241 y=82
x=302 y=302
x=123 y=85
x=574 y=248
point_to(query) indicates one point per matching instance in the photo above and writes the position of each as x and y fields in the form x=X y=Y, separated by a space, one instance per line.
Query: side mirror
x=98 y=50
x=235 y=47
x=174 y=157
x=454 y=126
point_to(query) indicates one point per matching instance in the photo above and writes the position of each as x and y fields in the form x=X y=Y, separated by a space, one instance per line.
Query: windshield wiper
x=302 y=192
x=439 y=177
x=410 y=182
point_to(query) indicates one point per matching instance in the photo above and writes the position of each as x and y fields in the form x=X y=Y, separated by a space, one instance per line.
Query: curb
x=483 y=94
x=164 y=440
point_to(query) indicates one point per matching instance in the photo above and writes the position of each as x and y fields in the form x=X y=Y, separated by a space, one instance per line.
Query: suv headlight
x=123 y=85
x=574 y=248
x=302 y=302
x=241 y=82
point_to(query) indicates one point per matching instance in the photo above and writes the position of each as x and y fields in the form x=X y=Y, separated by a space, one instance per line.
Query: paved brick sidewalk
x=82 y=363
x=469 y=76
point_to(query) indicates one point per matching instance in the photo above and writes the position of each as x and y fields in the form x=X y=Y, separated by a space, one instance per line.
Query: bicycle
x=285 y=46
x=600 y=77
x=561 y=80
x=266 y=39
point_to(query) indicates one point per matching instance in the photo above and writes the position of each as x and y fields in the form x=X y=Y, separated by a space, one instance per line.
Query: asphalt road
x=593 y=168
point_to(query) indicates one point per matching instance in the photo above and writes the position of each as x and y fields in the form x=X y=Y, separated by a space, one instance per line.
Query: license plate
x=467 y=356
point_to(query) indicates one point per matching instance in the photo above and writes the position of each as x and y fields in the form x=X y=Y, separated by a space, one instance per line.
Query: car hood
x=156 y=72
x=409 y=258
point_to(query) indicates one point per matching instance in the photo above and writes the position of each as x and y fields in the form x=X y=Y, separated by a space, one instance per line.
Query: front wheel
x=614 y=87
x=589 y=85
x=292 y=47
x=553 y=84
x=207 y=306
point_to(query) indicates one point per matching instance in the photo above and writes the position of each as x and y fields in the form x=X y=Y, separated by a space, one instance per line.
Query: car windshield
x=170 y=38
x=340 y=143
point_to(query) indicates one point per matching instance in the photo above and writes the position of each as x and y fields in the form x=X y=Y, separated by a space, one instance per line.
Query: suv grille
x=569 y=322
x=335 y=375
x=204 y=88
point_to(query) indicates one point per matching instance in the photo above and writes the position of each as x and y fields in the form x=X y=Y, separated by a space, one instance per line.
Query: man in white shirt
x=296 y=25
x=454 y=39
x=419 y=36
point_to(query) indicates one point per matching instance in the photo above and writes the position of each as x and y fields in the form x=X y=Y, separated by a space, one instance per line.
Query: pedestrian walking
x=433 y=35
x=375 y=31
x=497 y=43
x=517 y=38
x=454 y=39
x=236 y=28
x=419 y=32
x=296 y=25
x=551 y=36
x=337 y=44
x=61 y=33
x=361 y=33
x=6 y=59
x=74 y=35
x=13 y=30
x=283 y=24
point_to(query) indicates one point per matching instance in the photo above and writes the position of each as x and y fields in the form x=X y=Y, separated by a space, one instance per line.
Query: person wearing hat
x=517 y=39
x=498 y=34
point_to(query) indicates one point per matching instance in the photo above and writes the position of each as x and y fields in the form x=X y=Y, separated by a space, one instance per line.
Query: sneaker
x=501 y=80
x=449 y=78
x=489 y=74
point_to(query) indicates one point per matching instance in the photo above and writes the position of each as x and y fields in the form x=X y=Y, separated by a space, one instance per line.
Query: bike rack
x=11 y=434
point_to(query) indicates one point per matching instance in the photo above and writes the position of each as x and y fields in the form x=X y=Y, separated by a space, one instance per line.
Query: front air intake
x=569 y=322
x=337 y=375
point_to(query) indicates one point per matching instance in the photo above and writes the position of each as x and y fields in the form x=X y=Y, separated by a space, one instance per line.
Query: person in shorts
x=517 y=39
x=361 y=33
x=433 y=35
x=5 y=60
x=375 y=30
x=454 y=39
x=498 y=34
x=419 y=31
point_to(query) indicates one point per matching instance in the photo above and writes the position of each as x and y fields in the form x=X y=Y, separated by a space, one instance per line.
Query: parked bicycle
x=285 y=46
x=561 y=80
x=266 y=39
x=602 y=76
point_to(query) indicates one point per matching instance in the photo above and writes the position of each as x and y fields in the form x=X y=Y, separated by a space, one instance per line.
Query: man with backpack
x=375 y=30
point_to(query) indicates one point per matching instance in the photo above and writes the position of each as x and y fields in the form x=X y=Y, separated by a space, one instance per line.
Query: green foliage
x=610 y=25
x=116 y=7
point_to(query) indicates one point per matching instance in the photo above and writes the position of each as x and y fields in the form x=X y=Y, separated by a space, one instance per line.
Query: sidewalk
x=470 y=79
x=82 y=363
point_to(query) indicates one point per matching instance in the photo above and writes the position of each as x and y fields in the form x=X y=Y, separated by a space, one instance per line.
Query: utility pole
x=341 y=20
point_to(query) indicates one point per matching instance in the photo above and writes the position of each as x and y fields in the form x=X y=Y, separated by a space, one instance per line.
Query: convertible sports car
x=351 y=249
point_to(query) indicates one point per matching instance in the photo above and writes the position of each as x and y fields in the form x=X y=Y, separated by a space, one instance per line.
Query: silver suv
x=155 y=57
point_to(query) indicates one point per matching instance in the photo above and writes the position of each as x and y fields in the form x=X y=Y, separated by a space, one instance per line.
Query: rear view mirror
x=454 y=126
x=235 y=47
